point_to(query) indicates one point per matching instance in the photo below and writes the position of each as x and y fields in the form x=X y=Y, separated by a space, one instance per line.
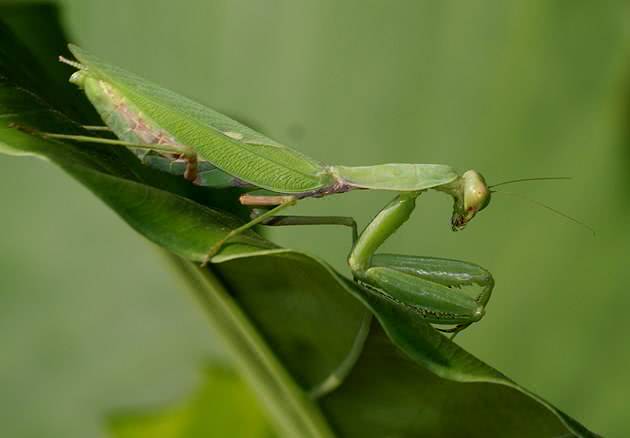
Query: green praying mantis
x=176 y=134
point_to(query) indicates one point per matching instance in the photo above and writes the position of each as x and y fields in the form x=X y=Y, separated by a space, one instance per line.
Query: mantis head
x=472 y=196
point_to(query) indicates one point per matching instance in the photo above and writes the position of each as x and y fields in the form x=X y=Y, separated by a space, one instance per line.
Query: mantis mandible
x=207 y=148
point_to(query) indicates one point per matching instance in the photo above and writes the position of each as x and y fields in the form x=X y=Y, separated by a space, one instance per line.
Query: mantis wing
x=232 y=147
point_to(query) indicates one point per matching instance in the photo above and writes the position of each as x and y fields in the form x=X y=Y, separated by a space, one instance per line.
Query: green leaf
x=292 y=324
x=408 y=400
x=222 y=406
x=39 y=51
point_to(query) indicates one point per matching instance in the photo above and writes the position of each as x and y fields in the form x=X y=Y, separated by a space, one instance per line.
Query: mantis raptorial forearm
x=184 y=133
x=423 y=284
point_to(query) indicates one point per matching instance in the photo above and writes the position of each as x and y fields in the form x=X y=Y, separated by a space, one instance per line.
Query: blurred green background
x=90 y=318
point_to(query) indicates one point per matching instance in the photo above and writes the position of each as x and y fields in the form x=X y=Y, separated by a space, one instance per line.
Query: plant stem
x=293 y=412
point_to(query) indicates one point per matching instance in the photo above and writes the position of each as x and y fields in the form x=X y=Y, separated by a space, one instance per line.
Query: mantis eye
x=476 y=192
x=474 y=197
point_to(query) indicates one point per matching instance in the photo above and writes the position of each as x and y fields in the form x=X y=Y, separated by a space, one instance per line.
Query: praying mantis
x=176 y=134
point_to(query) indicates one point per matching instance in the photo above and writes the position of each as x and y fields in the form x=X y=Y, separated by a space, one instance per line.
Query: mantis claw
x=455 y=330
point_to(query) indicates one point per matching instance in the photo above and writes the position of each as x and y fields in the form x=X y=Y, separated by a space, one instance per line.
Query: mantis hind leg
x=183 y=152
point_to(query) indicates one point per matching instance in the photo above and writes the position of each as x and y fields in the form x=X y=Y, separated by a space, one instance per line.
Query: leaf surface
x=223 y=406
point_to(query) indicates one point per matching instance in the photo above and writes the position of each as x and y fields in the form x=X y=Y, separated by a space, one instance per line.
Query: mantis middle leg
x=287 y=201
x=282 y=220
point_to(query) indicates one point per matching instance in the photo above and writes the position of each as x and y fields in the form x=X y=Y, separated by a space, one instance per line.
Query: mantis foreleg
x=427 y=285
x=386 y=222
x=448 y=272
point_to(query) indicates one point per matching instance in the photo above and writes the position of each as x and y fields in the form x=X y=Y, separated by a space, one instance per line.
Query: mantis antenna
x=545 y=206
x=540 y=204
x=541 y=178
